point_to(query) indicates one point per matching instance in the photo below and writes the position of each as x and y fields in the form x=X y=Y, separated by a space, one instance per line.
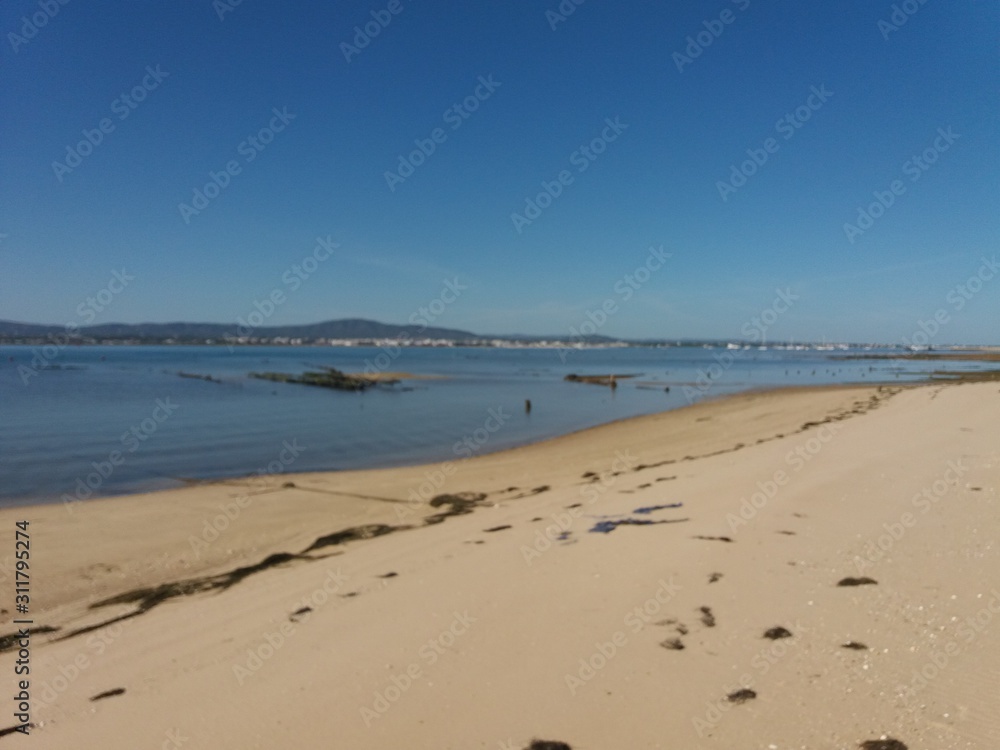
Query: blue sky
x=889 y=93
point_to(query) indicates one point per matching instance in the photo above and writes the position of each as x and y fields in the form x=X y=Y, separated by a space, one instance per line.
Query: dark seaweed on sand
x=857 y=581
x=776 y=633
x=606 y=527
x=548 y=745
x=650 y=508
x=707 y=618
x=741 y=696
x=886 y=744
x=108 y=694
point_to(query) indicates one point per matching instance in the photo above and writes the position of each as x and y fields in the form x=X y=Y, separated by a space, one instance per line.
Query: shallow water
x=62 y=428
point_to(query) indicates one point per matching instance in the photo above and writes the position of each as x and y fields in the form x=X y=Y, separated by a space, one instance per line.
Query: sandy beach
x=804 y=568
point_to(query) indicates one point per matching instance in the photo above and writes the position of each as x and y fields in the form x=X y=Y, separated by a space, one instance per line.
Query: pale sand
x=519 y=628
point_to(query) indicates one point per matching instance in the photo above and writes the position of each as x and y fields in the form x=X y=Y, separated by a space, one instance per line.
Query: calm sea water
x=114 y=419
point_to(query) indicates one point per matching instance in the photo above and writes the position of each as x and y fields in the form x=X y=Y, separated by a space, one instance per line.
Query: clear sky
x=863 y=97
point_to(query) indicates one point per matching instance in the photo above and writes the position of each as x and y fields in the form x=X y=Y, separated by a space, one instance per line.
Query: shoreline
x=742 y=511
x=181 y=483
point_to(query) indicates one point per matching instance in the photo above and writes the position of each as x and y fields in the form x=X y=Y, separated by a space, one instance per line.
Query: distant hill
x=351 y=328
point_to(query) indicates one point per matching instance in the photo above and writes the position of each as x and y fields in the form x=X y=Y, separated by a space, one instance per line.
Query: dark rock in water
x=854 y=646
x=778 y=632
x=108 y=694
x=330 y=378
x=548 y=745
x=608 y=380
x=887 y=744
x=857 y=582
x=741 y=696
x=196 y=376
